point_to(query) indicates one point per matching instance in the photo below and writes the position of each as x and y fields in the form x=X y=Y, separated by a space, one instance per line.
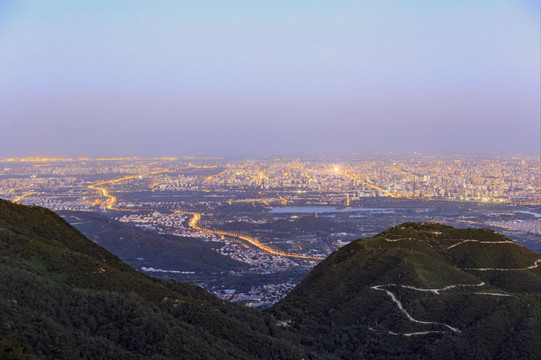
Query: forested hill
x=422 y=290
x=413 y=291
x=64 y=297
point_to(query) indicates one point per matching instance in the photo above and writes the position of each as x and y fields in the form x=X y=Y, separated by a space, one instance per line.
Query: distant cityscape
x=500 y=179
x=242 y=205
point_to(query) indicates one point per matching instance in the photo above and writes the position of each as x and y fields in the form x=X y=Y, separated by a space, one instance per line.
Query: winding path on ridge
x=434 y=291
x=448 y=287
x=482 y=242
x=408 y=315
x=535 y=265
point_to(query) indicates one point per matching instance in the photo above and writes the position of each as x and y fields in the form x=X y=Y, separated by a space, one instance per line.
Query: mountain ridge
x=421 y=284
x=413 y=291
x=65 y=297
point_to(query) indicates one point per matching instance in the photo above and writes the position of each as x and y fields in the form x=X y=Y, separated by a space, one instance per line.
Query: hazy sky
x=269 y=77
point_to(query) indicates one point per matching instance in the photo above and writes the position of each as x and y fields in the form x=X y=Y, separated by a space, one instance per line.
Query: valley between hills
x=417 y=290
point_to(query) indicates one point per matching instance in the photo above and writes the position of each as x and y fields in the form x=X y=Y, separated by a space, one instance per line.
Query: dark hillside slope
x=160 y=251
x=421 y=290
x=64 y=297
x=413 y=291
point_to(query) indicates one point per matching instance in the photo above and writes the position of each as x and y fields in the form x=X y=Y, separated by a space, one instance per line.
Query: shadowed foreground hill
x=421 y=291
x=64 y=297
x=158 y=250
x=414 y=291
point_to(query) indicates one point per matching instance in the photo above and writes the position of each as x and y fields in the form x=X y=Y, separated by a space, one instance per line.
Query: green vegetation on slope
x=344 y=306
x=65 y=297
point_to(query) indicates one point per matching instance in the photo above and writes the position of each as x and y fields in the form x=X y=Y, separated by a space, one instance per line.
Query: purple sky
x=269 y=77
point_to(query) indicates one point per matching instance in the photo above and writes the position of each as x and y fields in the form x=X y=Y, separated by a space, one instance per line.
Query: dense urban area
x=274 y=218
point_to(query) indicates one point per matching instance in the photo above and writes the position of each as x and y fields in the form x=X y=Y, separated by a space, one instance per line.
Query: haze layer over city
x=285 y=78
x=236 y=144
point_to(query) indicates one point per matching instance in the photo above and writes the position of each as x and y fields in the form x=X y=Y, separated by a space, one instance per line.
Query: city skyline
x=273 y=78
x=471 y=179
x=276 y=215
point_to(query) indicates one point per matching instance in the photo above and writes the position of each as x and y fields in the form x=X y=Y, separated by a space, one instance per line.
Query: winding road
x=535 y=265
x=111 y=200
x=19 y=198
x=408 y=315
x=482 y=242
x=437 y=292
x=252 y=241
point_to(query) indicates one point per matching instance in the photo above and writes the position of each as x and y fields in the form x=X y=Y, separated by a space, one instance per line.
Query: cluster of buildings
x=258 y=296
x=527 y=226
x=258 y=261
x=498 y=179
x=511 y=179
x=163 y=194
x=155 y=220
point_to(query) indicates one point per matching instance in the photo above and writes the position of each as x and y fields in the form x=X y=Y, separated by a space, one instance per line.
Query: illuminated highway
x=283 y=200
x=17 y=188
x=196 y=217
x=366 y=183
x=415 y=176
x=111 y=200
x=308 y=176
x=19 y=198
